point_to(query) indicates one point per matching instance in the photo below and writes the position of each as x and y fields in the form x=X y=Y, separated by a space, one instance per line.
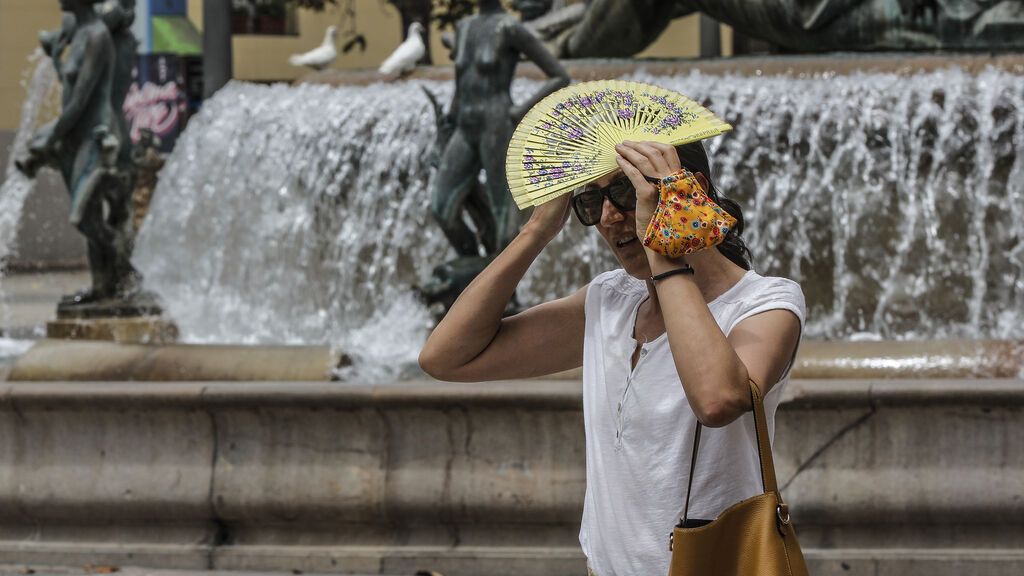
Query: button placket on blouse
x=620 y=409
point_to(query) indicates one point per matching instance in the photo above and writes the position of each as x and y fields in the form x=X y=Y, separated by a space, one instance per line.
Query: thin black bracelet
x=685 y=270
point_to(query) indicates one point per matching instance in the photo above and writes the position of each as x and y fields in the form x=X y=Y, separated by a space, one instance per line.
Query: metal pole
x=710 y=38
x=217 y=60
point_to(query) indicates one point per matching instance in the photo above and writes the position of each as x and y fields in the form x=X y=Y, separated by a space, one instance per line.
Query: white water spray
x=301 y=214
x=39 y=79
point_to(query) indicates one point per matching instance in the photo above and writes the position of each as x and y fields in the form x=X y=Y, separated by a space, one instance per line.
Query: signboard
x=157 y=99
x=169 y=7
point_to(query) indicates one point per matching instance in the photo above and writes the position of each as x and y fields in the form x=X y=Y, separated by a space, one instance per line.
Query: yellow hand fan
x=568 y=139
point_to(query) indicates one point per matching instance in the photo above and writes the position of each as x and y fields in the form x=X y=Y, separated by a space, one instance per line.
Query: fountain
x=875 y=200
x=38 y=80
x=291 y=224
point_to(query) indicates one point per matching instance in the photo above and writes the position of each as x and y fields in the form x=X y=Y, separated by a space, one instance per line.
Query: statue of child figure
x=88 y=142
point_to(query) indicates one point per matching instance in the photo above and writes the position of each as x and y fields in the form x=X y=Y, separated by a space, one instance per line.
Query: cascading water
x=897 y=201
x=301 y=214
x=39 y=81
x=295 y=215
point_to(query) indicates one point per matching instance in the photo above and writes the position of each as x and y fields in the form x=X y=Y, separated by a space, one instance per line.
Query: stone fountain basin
x=896 y=458
x=93 y=360
x=884 y=476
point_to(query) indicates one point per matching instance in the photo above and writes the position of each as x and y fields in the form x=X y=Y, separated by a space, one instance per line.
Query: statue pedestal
x=137 y=320
x=136 y=330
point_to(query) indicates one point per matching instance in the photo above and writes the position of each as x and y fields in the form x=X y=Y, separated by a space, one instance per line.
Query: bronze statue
x=486 y=49
x=531 y=9
x=148 y=161
x=88 y=142
x=613 y=28
x=118 y=18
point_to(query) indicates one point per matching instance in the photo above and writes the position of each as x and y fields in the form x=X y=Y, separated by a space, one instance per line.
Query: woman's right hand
x=549 y=218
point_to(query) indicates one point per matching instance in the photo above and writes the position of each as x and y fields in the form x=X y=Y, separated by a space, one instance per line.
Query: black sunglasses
x=589 y=203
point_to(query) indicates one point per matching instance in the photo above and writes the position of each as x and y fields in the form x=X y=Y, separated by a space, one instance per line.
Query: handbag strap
x=764 y=449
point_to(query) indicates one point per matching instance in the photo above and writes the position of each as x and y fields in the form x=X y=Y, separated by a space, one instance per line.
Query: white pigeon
x=408 y=53
x=320 y=57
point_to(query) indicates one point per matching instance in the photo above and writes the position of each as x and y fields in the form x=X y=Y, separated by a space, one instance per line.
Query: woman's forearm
x=475 y=318
x=712 y=374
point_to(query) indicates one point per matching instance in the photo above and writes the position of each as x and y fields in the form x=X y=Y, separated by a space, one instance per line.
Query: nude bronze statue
x=88 y=142
x=486 y=49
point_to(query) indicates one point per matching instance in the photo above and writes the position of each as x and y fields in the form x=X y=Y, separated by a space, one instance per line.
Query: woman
x=638 y=341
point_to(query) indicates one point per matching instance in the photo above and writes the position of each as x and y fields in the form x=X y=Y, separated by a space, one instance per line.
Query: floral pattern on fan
x=569 y=138
x=549 y=172
x=676 y=117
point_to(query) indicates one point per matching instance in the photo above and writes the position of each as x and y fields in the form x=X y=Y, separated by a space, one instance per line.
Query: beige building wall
x=20 y=23
x=265 y=58
x=682 y=40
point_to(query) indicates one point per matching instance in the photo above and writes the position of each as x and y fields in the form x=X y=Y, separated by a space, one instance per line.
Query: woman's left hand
x=642 y=162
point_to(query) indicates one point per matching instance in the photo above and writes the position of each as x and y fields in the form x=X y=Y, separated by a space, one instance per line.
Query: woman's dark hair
x=694 y=158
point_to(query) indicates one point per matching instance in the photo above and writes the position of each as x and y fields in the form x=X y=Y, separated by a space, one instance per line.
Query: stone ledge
x=78 y=360
x=876 y=392
x=496 y=561
x=61 y=360
x=554 y=394
x=526 y=394
x=914 y=562
x=97 y=553
x=792 y=65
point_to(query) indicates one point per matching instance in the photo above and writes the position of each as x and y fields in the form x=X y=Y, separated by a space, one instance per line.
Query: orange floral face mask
x=686 y=220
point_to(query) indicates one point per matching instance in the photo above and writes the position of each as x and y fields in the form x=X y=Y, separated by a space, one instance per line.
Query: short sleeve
x=774 y=294
x=778 y=294
x=594 y=286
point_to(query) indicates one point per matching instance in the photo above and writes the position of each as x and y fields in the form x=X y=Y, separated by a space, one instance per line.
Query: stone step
x=40 y=570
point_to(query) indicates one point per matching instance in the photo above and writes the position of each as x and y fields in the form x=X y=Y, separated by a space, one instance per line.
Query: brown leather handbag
x=754 y=537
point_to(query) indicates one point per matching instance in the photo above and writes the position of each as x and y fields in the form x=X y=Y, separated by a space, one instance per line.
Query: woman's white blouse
x=639 y=427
